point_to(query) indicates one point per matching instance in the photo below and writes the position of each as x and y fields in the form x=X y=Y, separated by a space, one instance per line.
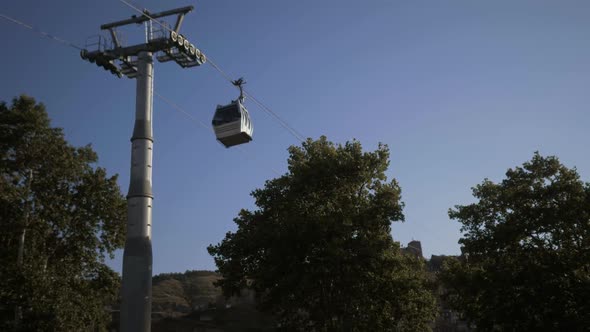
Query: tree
x=318 y=250
x=526 y=251
x=61 y=217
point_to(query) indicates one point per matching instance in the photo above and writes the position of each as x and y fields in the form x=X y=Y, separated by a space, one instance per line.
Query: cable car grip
x=239 y=82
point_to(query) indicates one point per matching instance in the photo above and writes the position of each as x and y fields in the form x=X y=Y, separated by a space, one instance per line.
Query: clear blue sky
x=459 y=90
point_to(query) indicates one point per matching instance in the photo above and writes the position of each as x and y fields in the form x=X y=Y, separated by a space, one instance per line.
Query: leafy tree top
x=318 y=250
x=526 y=251
x=63 y=216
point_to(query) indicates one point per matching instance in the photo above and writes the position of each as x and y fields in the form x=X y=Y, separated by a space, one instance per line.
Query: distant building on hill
x=414 y=248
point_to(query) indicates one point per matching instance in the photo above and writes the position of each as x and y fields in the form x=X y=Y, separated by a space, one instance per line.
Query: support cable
x=41 y=32
x=181 y=110
x=156 y=93
x=283 y=123
x=199 y=122
x=265 y=108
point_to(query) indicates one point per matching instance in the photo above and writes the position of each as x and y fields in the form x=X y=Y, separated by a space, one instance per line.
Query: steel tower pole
x=136 y=61
x=136 y=303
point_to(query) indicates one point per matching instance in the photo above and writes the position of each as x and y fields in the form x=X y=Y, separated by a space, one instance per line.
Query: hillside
x=189 y=301
x=176 y=294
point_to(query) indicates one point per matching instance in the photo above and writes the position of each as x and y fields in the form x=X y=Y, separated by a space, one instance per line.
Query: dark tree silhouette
x=61 y=216
x=526 y=245
x=318 y=250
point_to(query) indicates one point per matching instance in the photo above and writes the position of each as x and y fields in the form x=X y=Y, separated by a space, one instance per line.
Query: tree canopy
x=61 y=217
x=526 y=251
x=318 y=250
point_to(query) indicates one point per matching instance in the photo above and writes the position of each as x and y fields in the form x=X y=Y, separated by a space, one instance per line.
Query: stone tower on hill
x=414 y=248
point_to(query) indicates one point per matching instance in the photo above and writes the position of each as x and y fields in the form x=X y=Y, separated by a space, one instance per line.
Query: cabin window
x=227 y=114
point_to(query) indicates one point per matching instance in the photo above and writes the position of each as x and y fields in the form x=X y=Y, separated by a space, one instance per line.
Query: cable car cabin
x=232 y=124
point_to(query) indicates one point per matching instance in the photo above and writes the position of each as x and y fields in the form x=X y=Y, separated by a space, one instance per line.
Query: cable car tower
x=137 y=62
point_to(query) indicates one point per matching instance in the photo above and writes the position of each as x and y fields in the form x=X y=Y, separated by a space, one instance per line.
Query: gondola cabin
x=232 y=124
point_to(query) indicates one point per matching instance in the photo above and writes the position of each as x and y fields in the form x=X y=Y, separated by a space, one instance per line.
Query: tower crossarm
x=174 y=46
x=148 y=16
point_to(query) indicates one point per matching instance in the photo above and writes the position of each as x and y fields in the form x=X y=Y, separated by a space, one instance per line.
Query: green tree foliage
x=60 y=218
x=526 y=245
x=318 y=250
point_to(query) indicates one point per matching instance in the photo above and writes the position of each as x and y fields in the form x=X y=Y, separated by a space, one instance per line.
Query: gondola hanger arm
x=239 y=82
